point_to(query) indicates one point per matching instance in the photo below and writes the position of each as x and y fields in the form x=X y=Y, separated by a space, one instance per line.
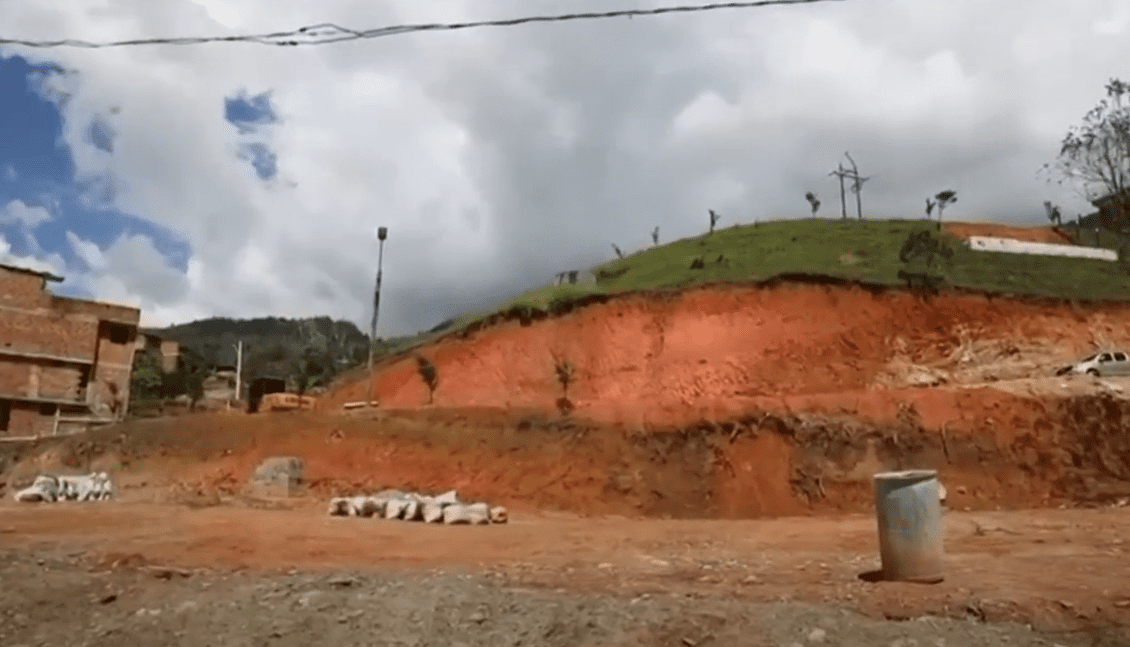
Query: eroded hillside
x=670 y=358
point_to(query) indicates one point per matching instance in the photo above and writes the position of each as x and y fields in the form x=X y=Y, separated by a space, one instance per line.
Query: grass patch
x=865 y=251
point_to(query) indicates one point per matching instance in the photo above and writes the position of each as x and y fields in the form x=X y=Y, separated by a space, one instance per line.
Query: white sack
x=339 y=506
x=459 y=513
x=499 y=514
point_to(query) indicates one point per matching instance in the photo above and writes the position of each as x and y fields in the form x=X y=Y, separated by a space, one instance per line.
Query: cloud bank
x=500 y=156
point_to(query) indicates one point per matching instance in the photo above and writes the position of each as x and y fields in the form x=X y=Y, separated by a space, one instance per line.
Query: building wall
x=62 y=382
x=109 y=390
x=44 y=332
x=1011 y=245
x=37 y=329
x=14 y=377
x=25 y=419
x=19 y=289
x=170 y=354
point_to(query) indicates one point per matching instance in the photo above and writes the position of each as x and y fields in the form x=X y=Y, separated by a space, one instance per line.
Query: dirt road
x=62 y=604
x=549 y=579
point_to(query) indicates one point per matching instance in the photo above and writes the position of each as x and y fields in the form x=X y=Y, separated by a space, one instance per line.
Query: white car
x=1100 y=364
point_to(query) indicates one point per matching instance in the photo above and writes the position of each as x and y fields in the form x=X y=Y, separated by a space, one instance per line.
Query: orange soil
x=991 y=448
x=1058 y=569
x=661 y=359
x=716 y=402
x=1030 y=234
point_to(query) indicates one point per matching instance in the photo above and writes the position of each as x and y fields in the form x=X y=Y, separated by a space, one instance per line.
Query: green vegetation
x=867 y=251
x=309 y=352
x=147 y=379
x=428 y=374
x=565 y=375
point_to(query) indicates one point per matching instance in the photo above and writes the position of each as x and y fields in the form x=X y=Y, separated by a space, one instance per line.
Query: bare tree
x=619 y=254
x=929 y=208
x=1096 y=154
x=944 y=199
x=714 y=218
x=813 y=202
x=1053 y=213
x=655 y=235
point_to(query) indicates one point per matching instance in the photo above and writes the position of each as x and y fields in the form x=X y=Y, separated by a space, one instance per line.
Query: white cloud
x=10 y=173
x=131 y=271
x=30 y=216
x=87 y=251
x=221 y=11
x=500 y=156
x=52 y=263
x=1115 y=24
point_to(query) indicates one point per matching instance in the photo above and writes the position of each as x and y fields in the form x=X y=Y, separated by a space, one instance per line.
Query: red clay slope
x=709 y=352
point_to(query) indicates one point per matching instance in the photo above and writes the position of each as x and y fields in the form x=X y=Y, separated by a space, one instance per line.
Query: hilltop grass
x=866 y=251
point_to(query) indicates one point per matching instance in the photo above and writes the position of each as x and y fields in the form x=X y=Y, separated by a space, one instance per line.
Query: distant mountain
x=318 y=347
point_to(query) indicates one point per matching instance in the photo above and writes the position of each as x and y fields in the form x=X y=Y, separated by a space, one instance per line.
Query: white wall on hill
x=1013 y=246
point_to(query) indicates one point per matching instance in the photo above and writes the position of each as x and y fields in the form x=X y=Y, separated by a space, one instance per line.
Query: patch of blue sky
x=36 y=168
x=249 y=113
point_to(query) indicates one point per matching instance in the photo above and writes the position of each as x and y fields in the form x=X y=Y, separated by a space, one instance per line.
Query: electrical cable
x=326 y=33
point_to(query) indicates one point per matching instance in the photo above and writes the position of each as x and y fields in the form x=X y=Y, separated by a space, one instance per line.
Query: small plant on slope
x=565 y=375
x=427 y=372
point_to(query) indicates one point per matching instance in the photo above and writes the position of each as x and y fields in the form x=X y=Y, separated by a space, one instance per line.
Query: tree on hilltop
x=1095 y=155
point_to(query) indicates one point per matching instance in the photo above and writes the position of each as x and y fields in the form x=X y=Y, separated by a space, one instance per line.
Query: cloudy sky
x=243 y=180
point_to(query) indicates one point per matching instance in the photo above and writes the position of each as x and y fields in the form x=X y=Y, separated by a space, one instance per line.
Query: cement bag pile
x=46 y=488
x=410 y=506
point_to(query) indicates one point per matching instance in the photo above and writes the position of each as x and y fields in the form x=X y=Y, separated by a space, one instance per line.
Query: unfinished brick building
x=65 y=364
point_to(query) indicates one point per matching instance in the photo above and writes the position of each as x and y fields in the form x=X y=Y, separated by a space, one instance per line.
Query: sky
x=243 y=180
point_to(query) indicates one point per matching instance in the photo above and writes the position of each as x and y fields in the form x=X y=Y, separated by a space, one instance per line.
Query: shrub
x=428 y=373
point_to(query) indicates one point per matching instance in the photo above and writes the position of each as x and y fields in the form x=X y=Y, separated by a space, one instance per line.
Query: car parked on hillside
x=1102 y=364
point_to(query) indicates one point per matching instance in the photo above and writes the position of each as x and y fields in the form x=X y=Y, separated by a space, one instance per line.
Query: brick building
x=1114 y=210
x=65 y=364
x=168 y=350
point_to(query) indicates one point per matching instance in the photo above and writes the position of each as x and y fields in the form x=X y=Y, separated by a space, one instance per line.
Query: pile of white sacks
x=408 y=506
x=95 y=486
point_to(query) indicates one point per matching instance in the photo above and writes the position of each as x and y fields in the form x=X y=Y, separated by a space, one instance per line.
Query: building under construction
x=65 y=364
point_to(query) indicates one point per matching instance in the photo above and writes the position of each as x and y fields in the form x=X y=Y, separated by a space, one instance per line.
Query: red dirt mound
x=1030 y=234
x=990 y=448
x=674 y=358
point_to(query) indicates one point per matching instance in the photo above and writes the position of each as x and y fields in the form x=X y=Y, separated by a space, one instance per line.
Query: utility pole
x=238 y=368
x=857 y=187
x=840 y=174
x=382 y=233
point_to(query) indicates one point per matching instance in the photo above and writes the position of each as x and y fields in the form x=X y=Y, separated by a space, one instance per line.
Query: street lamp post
x=382 y=233
x=238 y=368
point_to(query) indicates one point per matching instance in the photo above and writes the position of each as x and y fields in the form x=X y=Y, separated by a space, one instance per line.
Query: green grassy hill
x=866 y=251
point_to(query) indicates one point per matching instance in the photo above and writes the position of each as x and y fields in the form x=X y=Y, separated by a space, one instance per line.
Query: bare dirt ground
x=1031 y=234
x=711 y=485
x=143 y=574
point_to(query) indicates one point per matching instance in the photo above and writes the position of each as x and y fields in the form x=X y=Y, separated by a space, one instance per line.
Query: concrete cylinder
x=910 y=525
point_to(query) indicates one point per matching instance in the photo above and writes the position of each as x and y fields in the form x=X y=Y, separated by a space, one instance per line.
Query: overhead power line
x=326 y=33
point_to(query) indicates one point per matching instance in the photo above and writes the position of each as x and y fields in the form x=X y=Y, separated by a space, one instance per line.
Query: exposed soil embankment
x=758 y=464
x=1030 y=234
x=674 y=357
